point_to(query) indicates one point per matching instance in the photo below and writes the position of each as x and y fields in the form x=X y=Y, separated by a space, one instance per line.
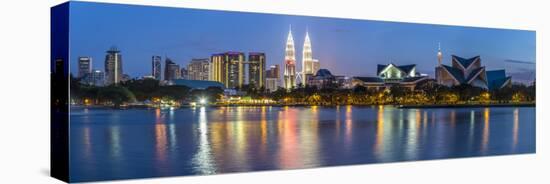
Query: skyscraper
x=316 y=65
x=198 y=69
x=307 y=59
x=273 y=72
x=84 y=66
x=184 y=73
x=171 y=70
x=289 y=63
x=256 y=69
x=156 y=67
x=272 y=78
x=96 y=78
x=113 y=66
x=228 y=68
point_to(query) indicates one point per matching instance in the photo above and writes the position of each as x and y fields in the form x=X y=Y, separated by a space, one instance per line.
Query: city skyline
x=346 y=47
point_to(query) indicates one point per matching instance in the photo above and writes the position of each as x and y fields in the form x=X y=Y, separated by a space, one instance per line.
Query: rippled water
x=111 y=144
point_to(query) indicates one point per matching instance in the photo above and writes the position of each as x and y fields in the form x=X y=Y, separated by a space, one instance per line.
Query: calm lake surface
x=108 y=144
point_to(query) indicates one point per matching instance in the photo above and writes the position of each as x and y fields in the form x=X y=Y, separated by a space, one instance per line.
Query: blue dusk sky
x=344 y=46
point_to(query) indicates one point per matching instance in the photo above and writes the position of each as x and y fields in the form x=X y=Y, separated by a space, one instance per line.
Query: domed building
x=324 y=79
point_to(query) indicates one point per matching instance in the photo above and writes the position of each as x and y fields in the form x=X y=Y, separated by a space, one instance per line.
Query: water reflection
x=228 y=139
x=202 y=160
x=515 y=130
x=485 y=139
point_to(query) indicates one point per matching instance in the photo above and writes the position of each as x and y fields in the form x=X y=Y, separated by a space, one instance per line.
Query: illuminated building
x=198 y=69
x=470 y=72
x=156 y=69
x=113 y=66
x=95 y=78
x=289 y=74
x=325 y=79
x=307 y=59
x=272 y=78
x=228 y=68
x=184 y=73
x=171 y=70
x=390 y=75
x=256 y=69
x=84 y=66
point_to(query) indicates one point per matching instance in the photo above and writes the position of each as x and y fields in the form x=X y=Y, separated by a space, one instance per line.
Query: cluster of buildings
x=232 y=70
x=113 y=73
x=461 y=71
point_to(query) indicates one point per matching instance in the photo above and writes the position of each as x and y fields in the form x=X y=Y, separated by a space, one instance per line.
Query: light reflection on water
x=121 y=144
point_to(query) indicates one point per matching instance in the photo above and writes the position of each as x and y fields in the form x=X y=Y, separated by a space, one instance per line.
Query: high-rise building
x=228 y=68
x=171 y=70
x=256 y=69
x=95 y=78
x=113 y=66
x=316 y=65
x=272 y=78
x=156 y=67
x=84 y=66
x=273 y=72
x=289 y=73
x=184 y=73
x=198 y=69
x=307 y=59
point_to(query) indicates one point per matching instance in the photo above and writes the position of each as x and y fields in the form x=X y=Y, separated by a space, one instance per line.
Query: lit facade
x=325 y=79
x=156 y=68
x=171 y=70
x=307 y=59
x=289 y=74
x=198 y=69
x=95 y=78
x=84 y=66
x=272 y=78
x=256 y=69
x=113 y=66
x=391 y=75
x=470 y=72
x=228 y=69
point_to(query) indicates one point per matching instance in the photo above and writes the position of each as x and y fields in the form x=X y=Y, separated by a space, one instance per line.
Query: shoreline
x=305 y=105
x=467 y=105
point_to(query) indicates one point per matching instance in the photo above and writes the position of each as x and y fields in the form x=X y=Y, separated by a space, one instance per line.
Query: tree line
x=427 y=92
x=137 y=90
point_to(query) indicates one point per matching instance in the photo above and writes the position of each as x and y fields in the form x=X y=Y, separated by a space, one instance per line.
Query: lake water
x=108 y=144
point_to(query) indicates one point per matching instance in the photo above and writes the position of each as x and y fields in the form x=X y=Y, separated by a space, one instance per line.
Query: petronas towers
x=309 y=65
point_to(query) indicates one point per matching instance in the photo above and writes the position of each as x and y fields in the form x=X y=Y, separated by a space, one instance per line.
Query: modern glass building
x=156 y=67
x=198 y=69
x=228 y=68
x=113 y=66
x=256 y=69
x=171 y=70
x=84 y=66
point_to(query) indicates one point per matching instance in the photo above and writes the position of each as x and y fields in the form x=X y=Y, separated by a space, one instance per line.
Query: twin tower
x=309 y=65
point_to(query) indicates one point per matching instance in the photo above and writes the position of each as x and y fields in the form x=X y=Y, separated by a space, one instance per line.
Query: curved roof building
x=469 y=71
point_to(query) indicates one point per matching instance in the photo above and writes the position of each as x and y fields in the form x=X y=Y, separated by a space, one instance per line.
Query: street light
x=202 y=101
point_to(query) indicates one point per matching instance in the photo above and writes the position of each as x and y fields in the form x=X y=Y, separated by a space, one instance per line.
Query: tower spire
x=307 y=58
x=439 y=54
x=290 y=62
